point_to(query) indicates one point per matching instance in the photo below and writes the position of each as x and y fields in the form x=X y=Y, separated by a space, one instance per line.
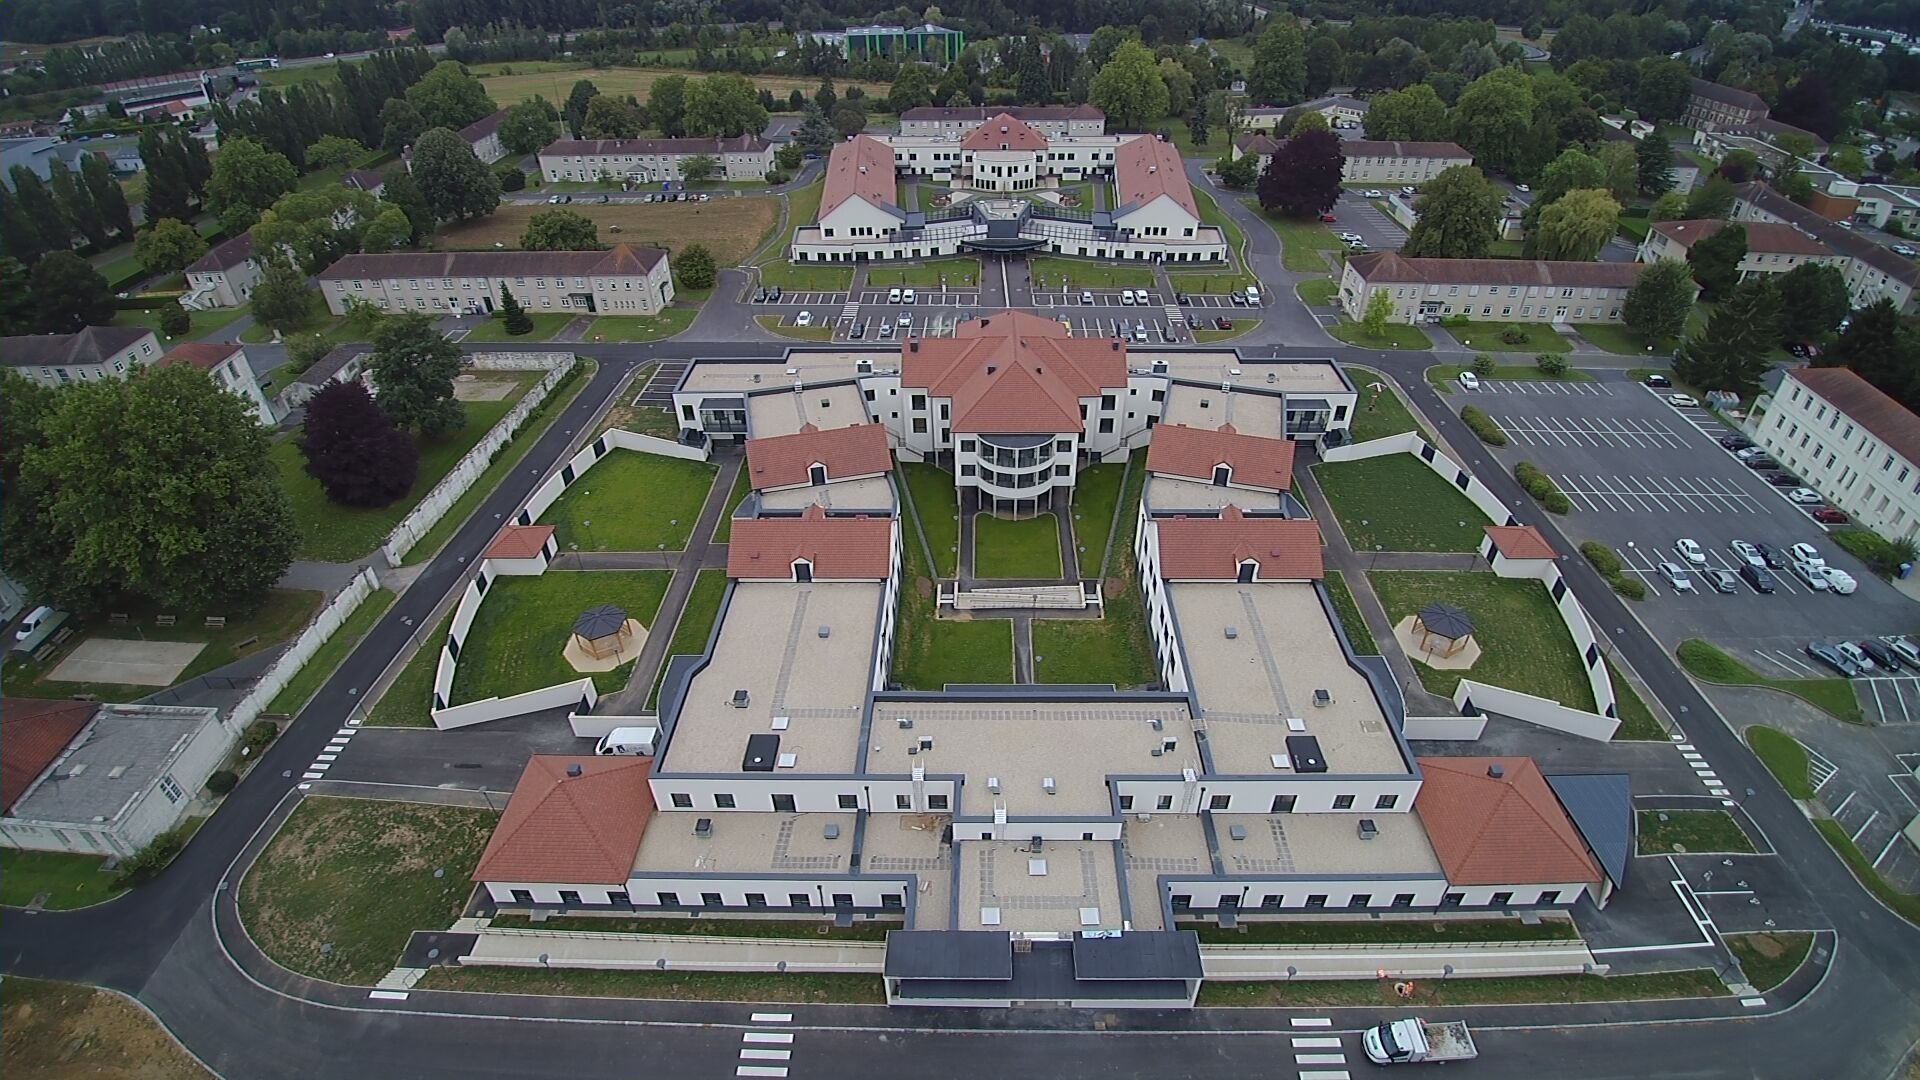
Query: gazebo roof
x=1446 y=620
x=603 y=621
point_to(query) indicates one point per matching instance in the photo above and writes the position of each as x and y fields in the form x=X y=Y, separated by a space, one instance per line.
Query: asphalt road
x=159 y=943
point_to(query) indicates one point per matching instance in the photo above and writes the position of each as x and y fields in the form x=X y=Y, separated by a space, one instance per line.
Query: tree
x=316 y=226
x=169 y=193
x=1494 y=119
x=389 y=230
x=694 y=268
x=1731 y=352
x=1813 y=300
x=511 y=178
x=168 y=247
x=1620 y=165
x=1303 y=175
x=40 y=211
x=825 y=97
x=456 y=185
x=726 y=105
x=70 y=294
x=1179 y=83
x=246 y=180
x=789 y=157
x=1575 y=227
x=1663 y=88
x=575 y=111
x=1877 y=348
x=1459 y=214
x=400 y=124
x=667 y=105
x=1661 y=298
x=403 y=191
x=1325 y=58
x=1574 y=168
x=1415 y=113
x=1669 y=207
x=560 y=229
x=334 y=151
x=17 y=314
x=1309 y=121
x=1129 y=88
x=849 y=119
x=612 y=118
x=815 y=135
x=910 y=91
x=448 y=97
x=1848 y=160
x=1379 y=310
x=355 y=452
x=1716 y=260
x=1279 y=70
x=174 y=320
x=1655 y=160
x=1712 y=199
x=75 y=204
x=530 y=126
x=413 y=367
x=1238 y=173
x=156 y=487
x=109 y=198
x=281 y=300
x=697 y=167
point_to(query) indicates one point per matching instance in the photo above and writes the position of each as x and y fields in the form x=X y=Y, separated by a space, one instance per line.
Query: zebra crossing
x=763 y=1052
x=329 y=753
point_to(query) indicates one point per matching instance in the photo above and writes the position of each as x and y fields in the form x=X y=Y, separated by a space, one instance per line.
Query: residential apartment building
x=1371 y=161
x=625 y=280
x=227 y=365
x=95 y=352
x=646 y=161
x=224 y=277
x=1884 y=203
x=1053 y=121
x=1711 y=105
x=1852 y=443
x=1772 y=248
x=483 y=135
x=1011 y=165
x=1511 y=290
x=1873 y=272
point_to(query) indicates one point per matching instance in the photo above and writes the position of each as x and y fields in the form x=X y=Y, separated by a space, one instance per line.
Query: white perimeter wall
x=1534 y=710
x=1444 y=728
x=577 y=466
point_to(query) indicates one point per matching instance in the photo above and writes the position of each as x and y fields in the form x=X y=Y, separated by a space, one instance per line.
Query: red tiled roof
x=1004 y=132
x=1020 y=112
x=842 y=549
x=567 y=830
x=862 y=166
x=33 y=731
x=1398 y=148
x=1391 y=267
x=1509 y=830
x=520 y=542
x=1145 y=168
x=1520 y=542
x=1865 y=404
x=1764 y=237
x=1212 y=549
x=1257 y=462
x=205 y=355
x=785 y=460
x=1014 y=372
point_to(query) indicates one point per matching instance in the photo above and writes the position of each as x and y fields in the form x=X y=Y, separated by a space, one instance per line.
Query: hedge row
x=1541 y=487
x=1483 y=426
x=1607 y=564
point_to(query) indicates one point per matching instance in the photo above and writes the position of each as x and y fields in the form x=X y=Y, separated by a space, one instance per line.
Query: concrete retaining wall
x=1234 y=962
x=1445 y=728
x=1470 y=695
x=296 y=655
x=589 y=726
x=578 y=949
x=580 y=694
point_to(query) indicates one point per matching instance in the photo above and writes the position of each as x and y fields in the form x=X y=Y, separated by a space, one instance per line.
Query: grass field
x=1905 y=904
x=934 y=502
x=1637 y=722
x=517 y=640
x=806 y=277
x=671 y=985
x=1693 y=831
x=408 y=701
x=1396 y=503
x=695 y=626
x=1304 y=245
x=730 y=229
x=1380 y=413
x=1485 y=336
x=63 y=1031
x=1240 y=326
x=1396 y=932
x=1396 y=336
x=820 y=330
x=959 y=272
x=643 y=327
x=1095 y=491
x=1319 y=292
x=1027 y=548
x=1524 y=645
x=204 y=322
x=1535 y=989
x=775 y=929
x=1769 y=959
x=545 y=325
x=319 y=667
x=1784 y=757
x=1617 y=339
x=1446 y=376
x=357 y=876
x=1350 y=618
x=1704 y=661
x=68 y=881
x=1114 y=648
x=1049 y=271
x=931 y=651
x=632 y=501
x=330 y=532
x=554 y=79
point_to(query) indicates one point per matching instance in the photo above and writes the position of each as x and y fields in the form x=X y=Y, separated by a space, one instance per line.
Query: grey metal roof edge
x=1174 y=879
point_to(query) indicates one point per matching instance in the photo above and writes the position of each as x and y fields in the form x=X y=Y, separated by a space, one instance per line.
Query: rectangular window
x=919 y=425
x=682 y=800
x=1282 y=804
x=170 y=789
x=1386 y=802
x=1219 y=802
x=1343 y=802
x=799 y=900
x=712 y=899
x=1164 y=802
x=1403 y=900
x=723 y=801
x=936 y=802
x=1126 y=803
x=966 y=446
x=849 y=802
x=903 y=802
x=1106 y=426
x=1501 y=899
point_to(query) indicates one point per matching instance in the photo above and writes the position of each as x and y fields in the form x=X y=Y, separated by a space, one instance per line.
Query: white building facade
x=626 y=280
x=646 y=161
x=1852 y=443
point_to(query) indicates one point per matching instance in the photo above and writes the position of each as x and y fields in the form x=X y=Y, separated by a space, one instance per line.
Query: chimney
x=913 y=345
x=991 y=368
x=573 y=768
x=1496 y=770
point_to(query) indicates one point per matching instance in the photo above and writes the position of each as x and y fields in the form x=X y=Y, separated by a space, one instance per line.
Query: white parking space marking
x=766 y=1055
x=1820 y=770
x=1655 y=494
x=1631 y=434
x=1544 y=387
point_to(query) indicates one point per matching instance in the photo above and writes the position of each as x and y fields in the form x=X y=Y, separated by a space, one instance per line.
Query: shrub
x=1513 y=335
x=1456 y=320
x=1483 y=365
x=1483 y=426
x=1551 y=364
x=1541 y=487
x=1607 y=565
x=1883 y=555
x=1631 y=588
x=222 y=781
x=511 y=179
x=152 y=859
x=776 y=178
x=174 y=320
x=258 y=736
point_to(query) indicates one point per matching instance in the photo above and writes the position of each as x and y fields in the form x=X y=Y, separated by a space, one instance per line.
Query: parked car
x=1350 y=237
x=1833 y=658
x=1807 y=553
x=1677 y=578
x=760 y=296
x=1126 y=297
x=805 y=318
x=775 y=295
x=1827 y=515
x=1761 y=463
x=1523 y=189
x=1659 y=381
x=1736 y=443
x=1409 y=190
x=1722 y=581
x=1142 y=297
x=1782 y=479
x=1086 y=296
x=1182 y=299
x=606 y=198
x=1748 y=554
x=1854 y=653
x=1758 y=577
x=1328 y=218
x=907 y=296
x=1748 y=451
x=1805 y=496
x=1253 y=296
x=886 y=330
x=1681 y=401
x=1469 y=380
x=1811 y=576
x=1239 y=299
x=1839 y=581
x=1221 y=322
x=857 y=331
x=893 y=296
x=1883 y=654
x=1773 y=557
x=1691 y=551
x=1906 y=650
x=1904 y=249
x=904 y=320
x=1374 y=193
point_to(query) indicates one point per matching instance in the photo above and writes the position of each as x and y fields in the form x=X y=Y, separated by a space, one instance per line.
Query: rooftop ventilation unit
x=1048 y=784
x=1322 y=698
x=826 y=632
x=832 y=831
x=926 y=742
x=1232 y=632
x=573 y=769
x=864 y=367
x=1158 y=724
x=1368 y=830
x=1237 y=832
x=905 y=722
x=1167 y=744
x=740 y=699
x=993 y=784
x=1159 y=367
x=703 y=826
x=1496 y=770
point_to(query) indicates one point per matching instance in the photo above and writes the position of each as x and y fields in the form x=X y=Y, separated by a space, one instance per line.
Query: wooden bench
x=40 y=654
x=117 y=619
x=216 y=622
x=163 y=620
x=246 y=642
x=61 y=635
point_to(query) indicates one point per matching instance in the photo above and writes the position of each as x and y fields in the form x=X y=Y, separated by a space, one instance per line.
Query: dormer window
x=1249 y=570
x=803 y=570
x=817 y=474
x=1222 y=475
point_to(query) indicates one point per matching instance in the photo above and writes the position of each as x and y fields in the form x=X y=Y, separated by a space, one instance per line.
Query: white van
x=1253 y=296
x=628 y=742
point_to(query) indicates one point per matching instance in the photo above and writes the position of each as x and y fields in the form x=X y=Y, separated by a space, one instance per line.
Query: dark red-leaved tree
x=355 y=452
x=1303 y=176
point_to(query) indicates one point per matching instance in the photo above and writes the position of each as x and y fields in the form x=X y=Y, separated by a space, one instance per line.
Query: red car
x=1221 y=322
x=1328 y=218
x=1827 y=515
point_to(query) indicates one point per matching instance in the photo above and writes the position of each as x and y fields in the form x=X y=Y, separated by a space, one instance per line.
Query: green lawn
x=1050 y=271
x=1114 y=648
x=1637 y=722
x=930 y=489
x=642 y=327
x=669 y=985
x=319 y=321
x=1095 y=491
x=803 y=207
x=1769 y=959
x=1445 y=376
x=1524 y=644
x=742 y=484
x=931 y=652
x=280 y=615
x=632 y=501
x=1379 y=413
x=330 y=532
x=1027 y=548
x=1698 y=982
x=958 y=272
x=1784 y=757
x=1905 y=904
x=1704 y=661
x=1351 y=620
x=1485 y=336
x=69 y=881
x=1320 y=291
x=345 y=881
x=1218 y=281
x=806 y=277
x=696 y=623
x=1397 y=932
x=408 y=702
x=517 y=640
x=545 y=325
x=1397 y=336
x=1616 y=338
x=1223 y=281
x=1694 y=831
x=821 y=330
x=204 y=322
x=780 y=929
x=1396 y=503
x=320 y=666
x=1304 y=244
x=1240 y=326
